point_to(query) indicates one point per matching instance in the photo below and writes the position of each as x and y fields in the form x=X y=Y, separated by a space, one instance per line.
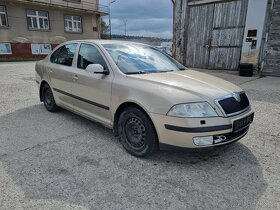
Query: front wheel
x=136 y=132
x=48 y=99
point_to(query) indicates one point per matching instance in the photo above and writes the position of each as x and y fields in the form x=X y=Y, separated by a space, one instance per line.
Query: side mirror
x=97 y=69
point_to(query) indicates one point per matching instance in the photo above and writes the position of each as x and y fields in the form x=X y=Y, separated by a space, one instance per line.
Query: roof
x=84 y=6
x=105 y=41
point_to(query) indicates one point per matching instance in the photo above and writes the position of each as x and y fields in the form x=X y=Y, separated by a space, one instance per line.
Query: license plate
x=242 y=123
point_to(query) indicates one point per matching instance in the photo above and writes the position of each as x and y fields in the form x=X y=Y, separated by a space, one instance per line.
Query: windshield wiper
x=165 y=71
x=136 y=72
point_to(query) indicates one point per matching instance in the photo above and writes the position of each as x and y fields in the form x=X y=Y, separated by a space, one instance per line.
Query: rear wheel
x=136 y=132
x=48 y=99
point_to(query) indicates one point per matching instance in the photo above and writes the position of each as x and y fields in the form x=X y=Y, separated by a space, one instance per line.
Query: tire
x=137 y=133
x=48 y=99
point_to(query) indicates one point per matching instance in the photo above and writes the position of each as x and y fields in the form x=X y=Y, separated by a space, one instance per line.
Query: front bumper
x=181 y=132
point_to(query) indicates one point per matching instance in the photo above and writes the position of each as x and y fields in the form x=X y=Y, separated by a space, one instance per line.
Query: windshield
x=141 y=59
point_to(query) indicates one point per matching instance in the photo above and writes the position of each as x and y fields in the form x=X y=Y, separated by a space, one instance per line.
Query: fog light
x=203 y=141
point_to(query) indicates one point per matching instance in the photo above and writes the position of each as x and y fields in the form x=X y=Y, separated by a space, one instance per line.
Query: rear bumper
x=182 y=132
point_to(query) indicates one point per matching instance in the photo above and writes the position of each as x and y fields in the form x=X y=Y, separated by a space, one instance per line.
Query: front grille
x=231 y=105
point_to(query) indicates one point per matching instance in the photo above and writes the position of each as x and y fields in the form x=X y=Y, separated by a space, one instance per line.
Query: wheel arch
x=44 y=82
x=122 y=107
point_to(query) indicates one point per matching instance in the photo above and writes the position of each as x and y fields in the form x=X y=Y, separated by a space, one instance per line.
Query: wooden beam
x=194 y=3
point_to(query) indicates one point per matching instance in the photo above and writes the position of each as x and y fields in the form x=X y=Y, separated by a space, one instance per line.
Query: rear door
x=61 y=74
x=92 y=92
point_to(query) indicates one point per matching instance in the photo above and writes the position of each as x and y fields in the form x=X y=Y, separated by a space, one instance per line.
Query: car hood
x=197 y=83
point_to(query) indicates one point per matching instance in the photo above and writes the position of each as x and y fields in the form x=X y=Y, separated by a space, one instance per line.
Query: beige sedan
x=144 y=95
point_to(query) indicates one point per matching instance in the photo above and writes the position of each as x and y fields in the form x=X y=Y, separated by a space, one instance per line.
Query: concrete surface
x=63 y=161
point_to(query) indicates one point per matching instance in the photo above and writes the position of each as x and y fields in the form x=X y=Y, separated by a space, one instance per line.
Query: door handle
x=210 y=46
x=75 y=77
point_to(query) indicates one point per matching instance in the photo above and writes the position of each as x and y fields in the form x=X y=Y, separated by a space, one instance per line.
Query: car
x=146 y=97
x=165 y=50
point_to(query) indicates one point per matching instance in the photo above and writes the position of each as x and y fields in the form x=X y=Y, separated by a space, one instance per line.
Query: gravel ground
x=63 y=161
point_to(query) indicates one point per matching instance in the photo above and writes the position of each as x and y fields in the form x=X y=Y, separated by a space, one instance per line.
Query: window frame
x=40 y=45
x=6 y=16
x=72 y=21
x=98 y=49
x=38 y=17
x=10 y=46
x=74 y=62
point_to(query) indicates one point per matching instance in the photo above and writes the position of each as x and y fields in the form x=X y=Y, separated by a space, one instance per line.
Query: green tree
x=105 y=29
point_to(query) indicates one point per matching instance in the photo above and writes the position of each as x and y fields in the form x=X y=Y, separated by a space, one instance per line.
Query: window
x=64 y=55
x=73 y=23
x=3 y=17
x=88 y=54
x=135 y=58
x=41 y=49
x=37 y=19
x=5 y=48
x=252 y=33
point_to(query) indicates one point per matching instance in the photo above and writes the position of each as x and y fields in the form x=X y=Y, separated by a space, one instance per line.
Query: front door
x=215 y=34
x=92 y=92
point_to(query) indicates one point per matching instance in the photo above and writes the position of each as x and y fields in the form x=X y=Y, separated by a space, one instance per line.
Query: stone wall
x=271 y=52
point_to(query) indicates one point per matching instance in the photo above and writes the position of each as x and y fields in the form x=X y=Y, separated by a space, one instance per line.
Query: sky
x=144 y=17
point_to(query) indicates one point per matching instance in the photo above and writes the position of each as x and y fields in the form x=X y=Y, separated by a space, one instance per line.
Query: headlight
x=201 y=109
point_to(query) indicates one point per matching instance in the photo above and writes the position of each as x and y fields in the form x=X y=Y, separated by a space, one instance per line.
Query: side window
x=64 y=55
x=89 y=54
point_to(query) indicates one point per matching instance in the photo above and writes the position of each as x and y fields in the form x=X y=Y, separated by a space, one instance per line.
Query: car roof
x=104 y=41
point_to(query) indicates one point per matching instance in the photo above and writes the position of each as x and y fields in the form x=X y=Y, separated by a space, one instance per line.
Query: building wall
x=270 y=60
x=18 y=32
x=180 y=30
x=255 y=20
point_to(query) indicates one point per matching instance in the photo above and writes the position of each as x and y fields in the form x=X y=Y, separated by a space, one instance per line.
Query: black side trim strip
x=82 y=99
x=37 y=82
x=198 y=129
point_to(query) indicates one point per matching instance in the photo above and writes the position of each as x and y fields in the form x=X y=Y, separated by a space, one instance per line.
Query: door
x=92 y=92
x=61 y=73
x=215 y=34
x=227 y=34
x=199 y=35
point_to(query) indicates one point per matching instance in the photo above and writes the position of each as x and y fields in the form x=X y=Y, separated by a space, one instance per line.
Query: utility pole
x=110 y=17
x=125 y=22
